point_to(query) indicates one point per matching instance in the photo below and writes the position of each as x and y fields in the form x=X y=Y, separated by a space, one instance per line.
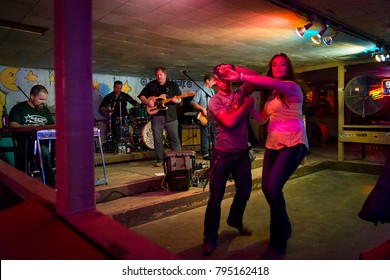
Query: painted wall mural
x=16 y=82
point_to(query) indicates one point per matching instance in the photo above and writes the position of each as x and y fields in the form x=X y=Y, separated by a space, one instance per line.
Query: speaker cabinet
x=178 y=168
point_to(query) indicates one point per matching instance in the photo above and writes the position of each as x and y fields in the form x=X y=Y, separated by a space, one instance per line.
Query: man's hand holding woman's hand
x=228 y=72
x=231 y=75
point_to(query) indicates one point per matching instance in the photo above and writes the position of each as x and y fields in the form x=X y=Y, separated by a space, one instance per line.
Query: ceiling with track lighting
x=132 y=37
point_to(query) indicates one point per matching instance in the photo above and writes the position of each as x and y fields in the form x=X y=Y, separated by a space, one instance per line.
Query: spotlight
x=328 y=40
x=317 y=38
x=301 y=30
x=382 y=56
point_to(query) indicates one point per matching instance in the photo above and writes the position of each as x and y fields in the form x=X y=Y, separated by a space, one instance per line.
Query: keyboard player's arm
x=15 y=125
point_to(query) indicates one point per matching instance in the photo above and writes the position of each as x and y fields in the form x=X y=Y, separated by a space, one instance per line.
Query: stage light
x=317 y=38
x=301 y=30
x=382 y=56
x=329 y=40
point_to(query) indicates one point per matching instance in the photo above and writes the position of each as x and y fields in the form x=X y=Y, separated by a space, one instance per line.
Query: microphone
x=184 y=71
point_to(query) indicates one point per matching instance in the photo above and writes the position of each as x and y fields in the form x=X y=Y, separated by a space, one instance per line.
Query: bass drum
x=142 y=135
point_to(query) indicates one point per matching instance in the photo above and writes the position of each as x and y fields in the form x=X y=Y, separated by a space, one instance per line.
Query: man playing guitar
x=166 y=118
x=200 y=102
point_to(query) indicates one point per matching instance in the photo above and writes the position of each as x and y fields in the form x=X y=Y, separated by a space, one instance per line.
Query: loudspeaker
x=179 y=167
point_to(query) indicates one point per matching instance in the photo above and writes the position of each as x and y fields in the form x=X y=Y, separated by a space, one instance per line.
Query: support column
x=340 y=94
x=74 y=111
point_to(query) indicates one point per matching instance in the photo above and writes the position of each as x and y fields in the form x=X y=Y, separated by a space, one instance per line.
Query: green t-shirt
x=24 y=114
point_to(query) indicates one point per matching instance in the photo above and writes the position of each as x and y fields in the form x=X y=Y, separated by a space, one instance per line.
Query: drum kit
x=135 y=133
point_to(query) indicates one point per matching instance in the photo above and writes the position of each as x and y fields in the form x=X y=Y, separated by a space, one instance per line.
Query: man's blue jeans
x=159 y=123
x=204 y=133
x=223 y=164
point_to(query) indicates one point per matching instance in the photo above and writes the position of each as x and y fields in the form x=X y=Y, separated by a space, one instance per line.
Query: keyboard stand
x=51 y=134
x=48 y=134
x=99 y=182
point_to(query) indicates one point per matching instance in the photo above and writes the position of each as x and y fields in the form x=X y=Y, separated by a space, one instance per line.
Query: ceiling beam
x=22 y=27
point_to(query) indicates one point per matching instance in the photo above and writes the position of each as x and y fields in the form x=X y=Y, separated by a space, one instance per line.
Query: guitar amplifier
x=178 y=168
x=190 y=135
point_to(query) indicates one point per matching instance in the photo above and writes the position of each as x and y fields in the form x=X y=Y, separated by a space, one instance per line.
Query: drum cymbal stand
x=124 y=145
x=122 y=142
x=110 y=144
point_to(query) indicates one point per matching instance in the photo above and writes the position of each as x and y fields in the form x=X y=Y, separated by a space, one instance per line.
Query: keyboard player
x=33 y=112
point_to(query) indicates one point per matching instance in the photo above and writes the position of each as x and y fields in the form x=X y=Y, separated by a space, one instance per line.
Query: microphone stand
x=207 y=95
x=208 y=124
x=23 y=92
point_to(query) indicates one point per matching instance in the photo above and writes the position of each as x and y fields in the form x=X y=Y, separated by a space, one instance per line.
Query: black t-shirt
x=24 y=114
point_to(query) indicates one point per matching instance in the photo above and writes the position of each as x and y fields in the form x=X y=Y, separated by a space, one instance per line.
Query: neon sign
x=382 y=91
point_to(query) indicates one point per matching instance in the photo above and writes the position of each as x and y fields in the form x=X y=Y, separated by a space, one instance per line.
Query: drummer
x=115 y=104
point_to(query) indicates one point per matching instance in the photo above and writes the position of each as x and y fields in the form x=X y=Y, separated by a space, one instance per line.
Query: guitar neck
x=168 y=100
x=188 y=94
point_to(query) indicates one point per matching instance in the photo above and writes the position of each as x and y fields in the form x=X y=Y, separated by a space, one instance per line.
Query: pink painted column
x=74 y=112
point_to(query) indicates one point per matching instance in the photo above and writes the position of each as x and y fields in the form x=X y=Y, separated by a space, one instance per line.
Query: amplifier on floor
x=178 y=168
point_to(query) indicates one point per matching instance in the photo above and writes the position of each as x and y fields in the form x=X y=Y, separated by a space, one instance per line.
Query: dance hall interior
x=114 y=198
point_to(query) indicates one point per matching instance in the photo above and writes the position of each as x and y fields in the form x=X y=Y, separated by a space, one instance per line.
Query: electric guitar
x=159 y=102
x=202 y=119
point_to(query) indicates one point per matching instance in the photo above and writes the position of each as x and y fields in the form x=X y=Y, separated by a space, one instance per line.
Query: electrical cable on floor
x=165 y=177
x=150 y=189
x=114 y=192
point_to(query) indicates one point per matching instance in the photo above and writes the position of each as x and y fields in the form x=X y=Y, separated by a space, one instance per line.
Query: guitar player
x=201 y=103
x=164 y=117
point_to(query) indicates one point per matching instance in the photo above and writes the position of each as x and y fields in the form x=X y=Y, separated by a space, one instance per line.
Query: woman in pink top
x=286 y=144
